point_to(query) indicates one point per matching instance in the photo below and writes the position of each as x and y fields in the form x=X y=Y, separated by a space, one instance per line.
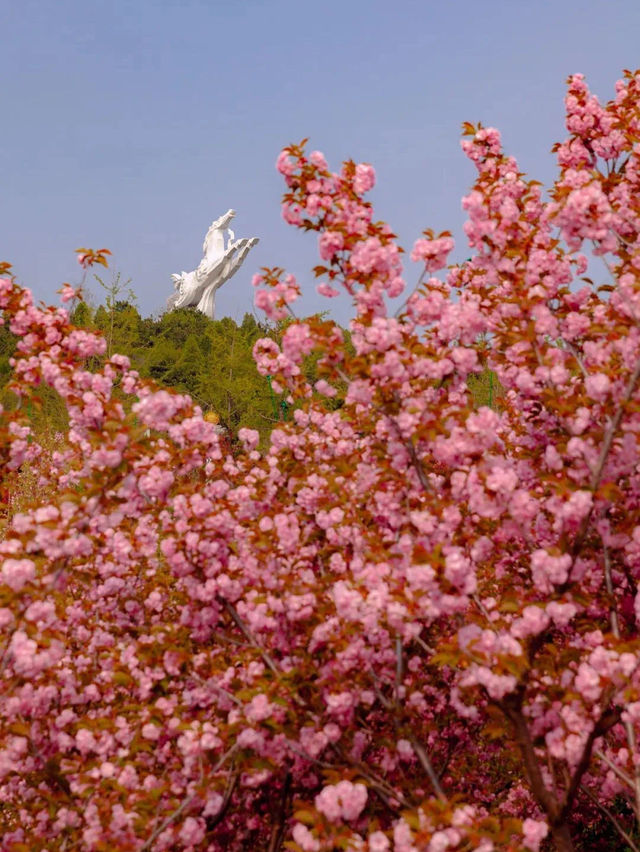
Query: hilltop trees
x=212 y=360
x=409 y=624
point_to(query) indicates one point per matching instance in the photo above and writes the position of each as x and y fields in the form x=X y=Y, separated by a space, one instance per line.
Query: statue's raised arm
x=199 y=288
x=214 y=240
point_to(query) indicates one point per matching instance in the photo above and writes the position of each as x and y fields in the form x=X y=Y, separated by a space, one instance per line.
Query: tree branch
x=628 y=726
x=622 y=775
x=627 y=839
x=607 y=720
x=278 y=827
x=511 y=706
x=248 y=634
x=384 y=790
x=597 y=472
x=423 y=757
x=215 y=820
x=185 y=804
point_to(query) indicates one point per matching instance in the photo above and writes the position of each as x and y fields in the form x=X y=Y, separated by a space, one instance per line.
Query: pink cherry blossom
x=365 y=178
x=406 y=617
x=534 y=832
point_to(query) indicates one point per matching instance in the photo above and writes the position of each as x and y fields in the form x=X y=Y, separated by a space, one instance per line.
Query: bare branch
x=248 y=634
x=598 y=470
x=482 y=608
x=424 y=645
x=208 y=684
x=627 y=839
x=183 y=807
x=615 y=627
x=277 y=832
x=167 y=822
x=303 y=754
x=511 y=706
x=423 y=757
x=399 y=668
x=622 y=775
x=213 y=821
x=571 y=348
x=607 y=720
x=628 y=726
x=423 y=275
x=386 y=791
x=613 y=428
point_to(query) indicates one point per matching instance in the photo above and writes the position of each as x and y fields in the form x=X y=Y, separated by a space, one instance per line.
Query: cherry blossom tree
x=410 y=624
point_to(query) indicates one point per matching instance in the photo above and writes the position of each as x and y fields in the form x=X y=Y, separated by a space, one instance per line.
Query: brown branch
x=597 y=472
x=415 y=461
x=215 y=820
x=388 y=705
x=385 y=796
x=634 y=847
x=248 y=634
x=383 y=789
x=607 y=720
x=424 y=645
x=511 y=706
x=415 y=289
x=622 y=775
x=185 y=804
x=208 y=684
x=557 y=811
x=303 y=754
x=279 y=825
x=385 y=800
x=447 y=760
x=399 y=668
x=5 y=651
x=628 y=726
x=253 y=641
x=615 y=624
x=423 y=757
x=167 y=822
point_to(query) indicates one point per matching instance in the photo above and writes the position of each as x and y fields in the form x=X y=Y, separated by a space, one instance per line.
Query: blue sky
x=131 y=124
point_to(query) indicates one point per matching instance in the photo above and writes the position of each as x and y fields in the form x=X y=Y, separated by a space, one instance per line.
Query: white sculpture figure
x=199 y=287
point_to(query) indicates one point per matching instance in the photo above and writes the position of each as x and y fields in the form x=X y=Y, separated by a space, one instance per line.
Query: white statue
x=199 y=287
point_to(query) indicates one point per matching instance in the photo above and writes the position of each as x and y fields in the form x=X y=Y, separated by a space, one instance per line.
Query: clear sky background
x=132 y=124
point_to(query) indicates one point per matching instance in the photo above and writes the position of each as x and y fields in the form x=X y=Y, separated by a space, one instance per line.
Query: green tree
x=186 y=373
x=231 y=383
x=114 y=303
x=82 y=315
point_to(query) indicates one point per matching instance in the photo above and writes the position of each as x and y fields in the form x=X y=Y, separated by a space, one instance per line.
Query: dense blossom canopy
x=409 y=624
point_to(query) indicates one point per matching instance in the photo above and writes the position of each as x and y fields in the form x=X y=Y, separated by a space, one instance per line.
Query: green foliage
x=119 y=299
x=211 y=360
x=237 y=392
x=485 y=389
x=46 y=411
x=7 y=346
x=82 y=315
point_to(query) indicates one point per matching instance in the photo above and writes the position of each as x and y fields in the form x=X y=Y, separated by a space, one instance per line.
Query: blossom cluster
x=411 y=623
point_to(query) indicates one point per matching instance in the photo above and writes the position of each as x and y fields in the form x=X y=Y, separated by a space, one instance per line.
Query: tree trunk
x=562 y=838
